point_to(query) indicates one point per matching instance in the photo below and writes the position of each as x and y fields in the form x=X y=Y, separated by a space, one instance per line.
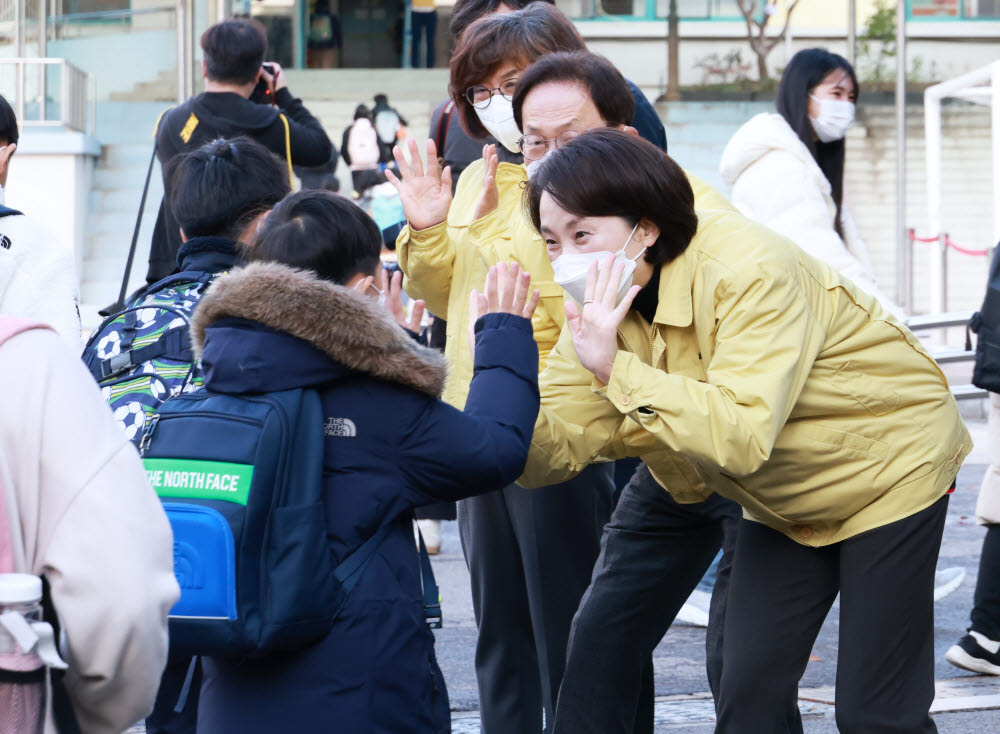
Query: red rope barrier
x=949 y=243
x=962 y=250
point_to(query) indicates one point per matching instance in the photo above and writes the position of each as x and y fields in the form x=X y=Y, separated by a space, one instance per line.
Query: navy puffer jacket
x=391 y=445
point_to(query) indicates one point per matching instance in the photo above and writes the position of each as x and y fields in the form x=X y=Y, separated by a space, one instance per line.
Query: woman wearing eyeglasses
x=530 y=554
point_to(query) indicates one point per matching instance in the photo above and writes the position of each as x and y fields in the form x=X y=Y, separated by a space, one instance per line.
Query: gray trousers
x=530 y=554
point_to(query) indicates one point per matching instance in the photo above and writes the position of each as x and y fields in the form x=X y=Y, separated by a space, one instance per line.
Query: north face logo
x=341 y=427
x=5 y=242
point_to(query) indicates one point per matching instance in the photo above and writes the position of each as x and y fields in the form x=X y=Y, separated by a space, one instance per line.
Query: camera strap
x=288 y=150
x=120 y=303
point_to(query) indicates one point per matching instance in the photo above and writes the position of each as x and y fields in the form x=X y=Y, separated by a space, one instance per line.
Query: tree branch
x=747 y=16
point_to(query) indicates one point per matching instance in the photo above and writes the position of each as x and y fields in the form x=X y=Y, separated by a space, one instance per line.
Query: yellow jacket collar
x=511 y=172
x=674 y=300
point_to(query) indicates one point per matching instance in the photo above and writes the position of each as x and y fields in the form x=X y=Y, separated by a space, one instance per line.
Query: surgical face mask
x=380 y=292
x=571 y=270
x=835 y=117
x=498 y=119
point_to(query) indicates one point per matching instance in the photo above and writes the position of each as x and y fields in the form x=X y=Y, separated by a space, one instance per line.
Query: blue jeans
x=424 y=24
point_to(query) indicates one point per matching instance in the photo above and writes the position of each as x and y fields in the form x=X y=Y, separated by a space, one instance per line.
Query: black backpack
x=985 y=324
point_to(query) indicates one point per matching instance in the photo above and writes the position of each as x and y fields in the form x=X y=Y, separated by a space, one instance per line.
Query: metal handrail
x=938 y=320
x=77 y=106
x=109 y=14
x=968 y=392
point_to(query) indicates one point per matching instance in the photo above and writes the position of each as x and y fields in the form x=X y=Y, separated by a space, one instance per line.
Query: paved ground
x=683 y=703
x=681 y=686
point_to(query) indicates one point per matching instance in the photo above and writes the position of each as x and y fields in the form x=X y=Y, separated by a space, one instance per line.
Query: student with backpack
x=141 y=355
x=360 y=150
x=76 y=510
x=388 y=123
x=289 y=320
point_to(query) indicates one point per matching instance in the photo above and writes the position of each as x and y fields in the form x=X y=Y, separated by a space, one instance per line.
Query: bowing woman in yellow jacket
x=789 y=389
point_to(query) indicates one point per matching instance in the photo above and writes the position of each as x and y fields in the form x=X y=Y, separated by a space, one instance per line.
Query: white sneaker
x=947 y=581
x=695 y=609
x=431 y=530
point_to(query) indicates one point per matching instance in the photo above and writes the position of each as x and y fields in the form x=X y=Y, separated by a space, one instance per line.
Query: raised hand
x=5 y=153
x=426 y=196
x=594 y=325
x=490 y=197
x=393 y=290
x=506 y=291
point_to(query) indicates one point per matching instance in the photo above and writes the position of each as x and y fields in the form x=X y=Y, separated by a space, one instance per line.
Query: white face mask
x=835 y=117
x=571 y=270
x=498 y=119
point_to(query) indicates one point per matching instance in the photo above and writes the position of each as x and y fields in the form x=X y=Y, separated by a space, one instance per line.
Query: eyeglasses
x=535 y=147
x=480 y=97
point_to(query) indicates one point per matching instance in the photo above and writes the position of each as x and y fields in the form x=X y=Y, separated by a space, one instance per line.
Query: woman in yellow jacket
x=789 y=390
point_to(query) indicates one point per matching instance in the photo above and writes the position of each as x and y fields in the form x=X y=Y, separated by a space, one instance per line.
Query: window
x=954 y=9
x=651 y=9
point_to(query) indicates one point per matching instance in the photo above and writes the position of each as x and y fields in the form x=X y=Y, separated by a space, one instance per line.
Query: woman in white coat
x=787 y=169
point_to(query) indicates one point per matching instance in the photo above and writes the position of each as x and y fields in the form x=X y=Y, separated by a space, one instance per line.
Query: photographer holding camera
x=243 y=96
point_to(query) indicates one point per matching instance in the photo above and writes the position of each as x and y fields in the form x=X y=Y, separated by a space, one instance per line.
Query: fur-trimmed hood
x=348 y=328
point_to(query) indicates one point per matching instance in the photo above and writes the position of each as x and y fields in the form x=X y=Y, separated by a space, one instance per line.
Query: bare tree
x=673 y=55
x=760 y=42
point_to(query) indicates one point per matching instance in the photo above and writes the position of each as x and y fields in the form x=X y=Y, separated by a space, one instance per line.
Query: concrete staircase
x=125 y=130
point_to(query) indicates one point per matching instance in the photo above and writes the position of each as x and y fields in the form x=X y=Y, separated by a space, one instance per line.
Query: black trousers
x=780 y=594
x=530 y=553
x=986 y=602
x=653 y=553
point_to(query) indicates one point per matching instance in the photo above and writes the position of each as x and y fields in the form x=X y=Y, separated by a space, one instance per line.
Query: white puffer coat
x=778 y=183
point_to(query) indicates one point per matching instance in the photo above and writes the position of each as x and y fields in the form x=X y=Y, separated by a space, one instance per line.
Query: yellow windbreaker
x=444 y=263
x=787 y=388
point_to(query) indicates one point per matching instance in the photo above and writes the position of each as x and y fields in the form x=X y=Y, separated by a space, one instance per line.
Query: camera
x=262 y=93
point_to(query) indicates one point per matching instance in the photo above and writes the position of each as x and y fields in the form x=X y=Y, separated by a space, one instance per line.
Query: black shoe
x=970 y=654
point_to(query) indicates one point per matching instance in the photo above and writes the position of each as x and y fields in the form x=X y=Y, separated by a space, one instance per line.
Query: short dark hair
x=602 y=80
x=466 y=12
x=608 y=172
x=219 y=188
x=524 y=35
x=320 y=231
x=381 y=99
x=8 y=122
x=805 y=71
x=234 y=51
x=362 y=111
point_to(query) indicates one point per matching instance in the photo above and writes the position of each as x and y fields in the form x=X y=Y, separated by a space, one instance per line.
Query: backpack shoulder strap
x=441 y=133
x=349 y=571
x=10 y=327
x=288 y=149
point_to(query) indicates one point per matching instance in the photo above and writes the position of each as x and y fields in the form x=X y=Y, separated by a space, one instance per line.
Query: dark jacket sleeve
x=452 y=454
x=343 y=145
x=646 y=120
x=310 y=144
